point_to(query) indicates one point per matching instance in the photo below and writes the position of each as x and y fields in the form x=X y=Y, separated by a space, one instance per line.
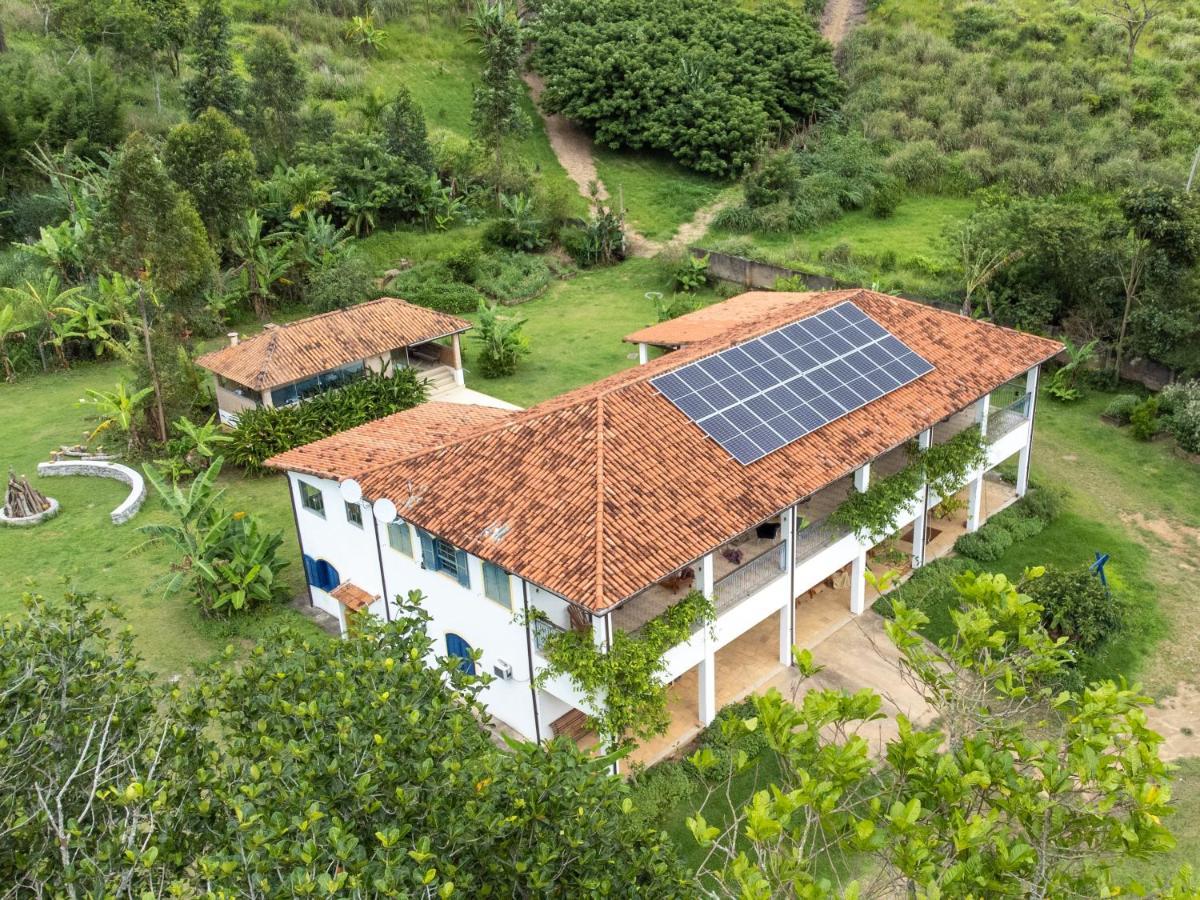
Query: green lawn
x=659 y=194
x=83 y=549
x=575 y=331
x=904 y=252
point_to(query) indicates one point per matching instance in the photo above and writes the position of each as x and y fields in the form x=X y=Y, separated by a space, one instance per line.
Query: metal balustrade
x=816 y=537
x=1007 y=419
x=542 y=629
x=750 y=577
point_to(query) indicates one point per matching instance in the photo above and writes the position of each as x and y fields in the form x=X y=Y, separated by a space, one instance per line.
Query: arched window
x=321 y=574
x=456 y=646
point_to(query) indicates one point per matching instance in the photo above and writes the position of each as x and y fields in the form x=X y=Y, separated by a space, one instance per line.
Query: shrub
x=502 y=343
x=725 y=736
x=1075 y=605
x=1018 y=523
x=985 y=545
x=345 y=281
x=691 y=274
x=448 y=297
x=1045 y=503
x=886 y=197
x=519 y=225
x=512 y=277
x=656 y=790
x=776 y=178
x=264 y=432
x=1143 y=419
x=1121 y=407
x=1185 y=426
x=463 y=263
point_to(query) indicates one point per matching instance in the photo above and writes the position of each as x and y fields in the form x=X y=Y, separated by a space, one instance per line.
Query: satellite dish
x=385 y=510
x=351 y=490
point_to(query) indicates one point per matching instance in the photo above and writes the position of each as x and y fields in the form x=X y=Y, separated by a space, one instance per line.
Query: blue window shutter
x=460 y=562
x=310 y=569
x=428 y=552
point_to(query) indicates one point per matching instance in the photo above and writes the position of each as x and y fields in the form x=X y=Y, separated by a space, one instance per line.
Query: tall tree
x=214 y=82
x=276 y=93
x=1133 y=16
x=1022 y=789
x=497 y=115
x=210 y=158
x=147 y=228
x=403 y=127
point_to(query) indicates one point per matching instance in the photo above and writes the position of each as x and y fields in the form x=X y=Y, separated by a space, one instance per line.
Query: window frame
x=354 y=514
x=400 y=527
x=307 y=493
x=496 y=572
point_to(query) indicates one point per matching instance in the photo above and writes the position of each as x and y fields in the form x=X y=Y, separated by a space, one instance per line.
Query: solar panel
x=762 y=395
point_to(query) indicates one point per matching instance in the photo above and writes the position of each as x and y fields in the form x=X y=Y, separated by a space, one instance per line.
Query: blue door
x=456 y=646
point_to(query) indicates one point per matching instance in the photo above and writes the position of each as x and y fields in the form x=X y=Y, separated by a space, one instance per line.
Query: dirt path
x=573 y=147
x=840 y=17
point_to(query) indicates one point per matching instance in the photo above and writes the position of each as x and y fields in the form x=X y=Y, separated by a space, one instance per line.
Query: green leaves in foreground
x=1020 y=789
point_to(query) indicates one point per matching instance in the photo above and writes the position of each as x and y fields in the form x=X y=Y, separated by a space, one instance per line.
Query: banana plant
x=8 y=329
x=118 y=410
x=45 y=303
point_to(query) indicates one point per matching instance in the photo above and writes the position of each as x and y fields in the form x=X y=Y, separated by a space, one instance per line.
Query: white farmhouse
x=715 y=466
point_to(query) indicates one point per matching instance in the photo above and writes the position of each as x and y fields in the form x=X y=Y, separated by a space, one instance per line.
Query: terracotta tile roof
x=717 y=319
x=351 y=596
x=600 y=492
x=388 y=439
x=287 y=353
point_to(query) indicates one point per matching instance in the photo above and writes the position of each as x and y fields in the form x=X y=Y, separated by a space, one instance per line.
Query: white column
x=788 y=612
x=924 y=439
x=643 y=354
x=858 y=583
x=975 y=486
x=458 y=369
x=862 y=477
x=707 y=670
x=341 y=618
x=1031 y=384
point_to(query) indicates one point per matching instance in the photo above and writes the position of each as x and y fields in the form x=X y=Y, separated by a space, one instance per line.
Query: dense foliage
x=702 y=80
x=980 y=803
x=332 y=767
x=227 y=560
x=264 y=431
x=1075 y=605
x=502 y=342
x=623 y=685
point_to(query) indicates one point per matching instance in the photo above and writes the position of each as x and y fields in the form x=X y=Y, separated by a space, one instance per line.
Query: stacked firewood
x=22 y=500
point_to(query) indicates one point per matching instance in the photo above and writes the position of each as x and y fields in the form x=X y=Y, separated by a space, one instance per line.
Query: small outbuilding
x=287 y=364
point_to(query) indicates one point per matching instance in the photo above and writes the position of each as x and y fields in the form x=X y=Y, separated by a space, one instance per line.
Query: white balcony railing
x=1007 y=419
x=750 y=577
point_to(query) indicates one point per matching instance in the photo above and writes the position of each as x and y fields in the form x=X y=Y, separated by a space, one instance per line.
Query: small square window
x=311 y=499
x=496 y=585
x=400 y=537
x=354 y=514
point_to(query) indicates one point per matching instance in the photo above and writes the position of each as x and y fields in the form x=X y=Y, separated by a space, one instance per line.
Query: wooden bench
x=573 y=725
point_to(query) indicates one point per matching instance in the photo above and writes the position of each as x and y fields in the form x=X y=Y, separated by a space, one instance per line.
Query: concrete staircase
x=440 y=380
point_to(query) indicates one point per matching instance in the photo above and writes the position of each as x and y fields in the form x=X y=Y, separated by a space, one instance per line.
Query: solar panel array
x=759 y=396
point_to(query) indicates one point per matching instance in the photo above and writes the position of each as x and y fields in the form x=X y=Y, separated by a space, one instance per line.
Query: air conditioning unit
x=502 y=669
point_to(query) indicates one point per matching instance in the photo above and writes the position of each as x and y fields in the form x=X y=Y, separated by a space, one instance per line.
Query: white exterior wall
x=486 y=625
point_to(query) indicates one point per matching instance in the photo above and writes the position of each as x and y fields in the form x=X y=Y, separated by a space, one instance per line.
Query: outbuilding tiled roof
x=606 y=489
x=351 y=596
x=714 y=320
x=282 y=354
x=393 y=437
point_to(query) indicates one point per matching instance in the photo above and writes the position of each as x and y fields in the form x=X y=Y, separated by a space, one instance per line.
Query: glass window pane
x=400 y=537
